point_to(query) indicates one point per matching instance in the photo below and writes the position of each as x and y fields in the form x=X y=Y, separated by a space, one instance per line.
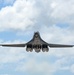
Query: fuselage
x=37 y=44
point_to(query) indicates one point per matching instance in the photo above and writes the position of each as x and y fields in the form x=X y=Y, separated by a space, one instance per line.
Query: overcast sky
x=54 y=19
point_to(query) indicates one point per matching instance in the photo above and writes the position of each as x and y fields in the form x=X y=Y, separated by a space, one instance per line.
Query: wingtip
x=0 y=44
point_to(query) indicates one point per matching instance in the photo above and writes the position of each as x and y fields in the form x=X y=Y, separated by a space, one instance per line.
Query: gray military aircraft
x=37 y=44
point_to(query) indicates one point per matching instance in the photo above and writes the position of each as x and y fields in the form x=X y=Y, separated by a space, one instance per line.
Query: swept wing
x=13 y=45
x=59 y=45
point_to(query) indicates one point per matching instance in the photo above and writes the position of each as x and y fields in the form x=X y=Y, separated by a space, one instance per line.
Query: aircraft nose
x=36 y=33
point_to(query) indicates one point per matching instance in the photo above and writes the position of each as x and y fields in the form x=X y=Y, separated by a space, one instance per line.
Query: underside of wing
x=59 y=45
x=13 y=45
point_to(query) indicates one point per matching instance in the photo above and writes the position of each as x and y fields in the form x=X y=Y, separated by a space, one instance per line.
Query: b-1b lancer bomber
x=37 y=44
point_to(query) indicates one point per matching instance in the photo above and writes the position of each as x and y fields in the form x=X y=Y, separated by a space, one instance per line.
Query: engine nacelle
x=45 y=48
x=29 y=48
x=37 y=48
